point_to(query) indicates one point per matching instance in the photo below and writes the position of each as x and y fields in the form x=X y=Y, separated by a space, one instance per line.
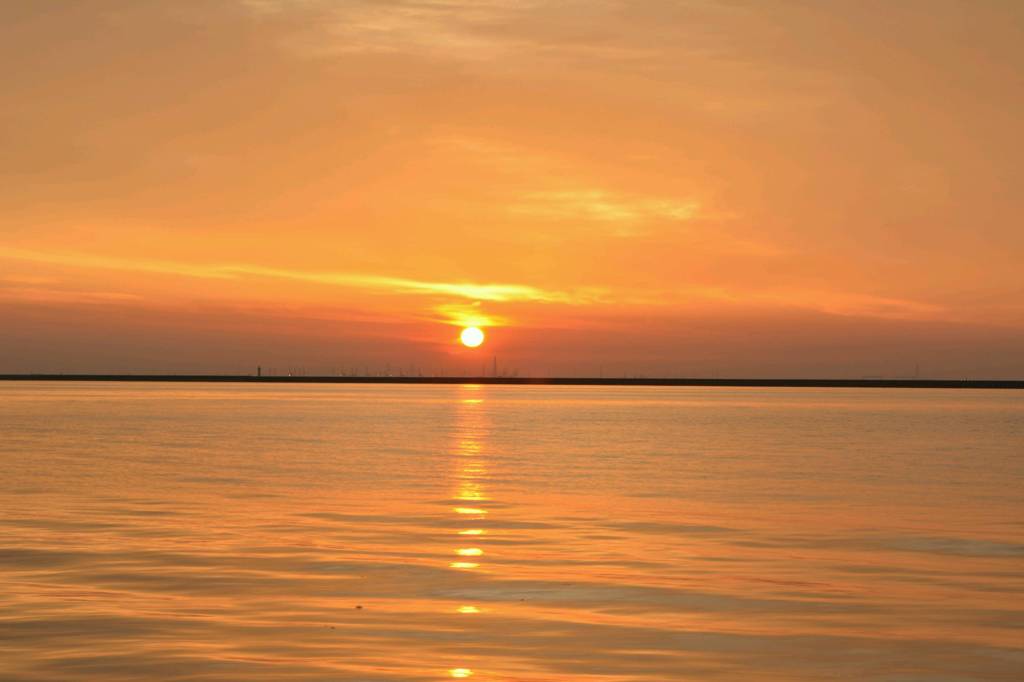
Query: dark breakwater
x=534 y=381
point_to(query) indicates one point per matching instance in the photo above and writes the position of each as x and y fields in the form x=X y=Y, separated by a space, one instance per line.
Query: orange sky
x=703 y=187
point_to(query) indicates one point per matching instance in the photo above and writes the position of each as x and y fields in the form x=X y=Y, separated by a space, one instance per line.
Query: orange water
x=368 y=533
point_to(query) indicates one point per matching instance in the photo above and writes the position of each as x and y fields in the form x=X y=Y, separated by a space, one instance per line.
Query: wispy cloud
x=382 y=284
x=549 y=187
x=30 y=280
x=517 y=35
x=866 y=305
x=625 y=213
x=468 y=315
x=43 y=295
x=460 y=302
x=850 y=304
x=727 y=297
x=438 y=28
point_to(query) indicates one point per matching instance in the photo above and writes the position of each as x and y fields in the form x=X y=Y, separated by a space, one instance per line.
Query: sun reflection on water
x=463 y=564
x=470 y=510
x=469 y=476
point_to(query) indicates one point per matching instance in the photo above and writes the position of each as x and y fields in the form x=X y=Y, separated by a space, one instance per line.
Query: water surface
x=310 y=532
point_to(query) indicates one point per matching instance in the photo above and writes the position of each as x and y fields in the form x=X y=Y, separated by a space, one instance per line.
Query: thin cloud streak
x=463 y=31
x=601 y=206
x=468 y=315
x=829 y=302
x=41 y=295
x=394 y=285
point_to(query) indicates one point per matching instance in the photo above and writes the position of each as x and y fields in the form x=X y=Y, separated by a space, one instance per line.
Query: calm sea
x=278 y=533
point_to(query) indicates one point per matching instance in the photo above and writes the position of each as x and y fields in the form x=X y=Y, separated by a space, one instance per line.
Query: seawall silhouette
x=532 y=381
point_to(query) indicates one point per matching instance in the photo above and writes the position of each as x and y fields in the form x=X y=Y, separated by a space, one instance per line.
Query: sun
x=471 y=337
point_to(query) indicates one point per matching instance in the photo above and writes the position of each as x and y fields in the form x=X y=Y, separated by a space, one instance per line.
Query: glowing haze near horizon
x=736 y=188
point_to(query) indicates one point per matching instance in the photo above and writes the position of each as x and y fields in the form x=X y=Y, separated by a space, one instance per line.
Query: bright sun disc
x=471 y=337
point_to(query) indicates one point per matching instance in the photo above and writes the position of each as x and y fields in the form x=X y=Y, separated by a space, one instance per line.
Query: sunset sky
x=690 y=187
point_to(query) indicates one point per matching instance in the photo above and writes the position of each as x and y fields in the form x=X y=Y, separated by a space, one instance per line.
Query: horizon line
x=530 y=381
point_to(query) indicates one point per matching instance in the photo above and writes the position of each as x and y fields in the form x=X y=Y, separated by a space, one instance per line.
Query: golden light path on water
x=470 y=473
